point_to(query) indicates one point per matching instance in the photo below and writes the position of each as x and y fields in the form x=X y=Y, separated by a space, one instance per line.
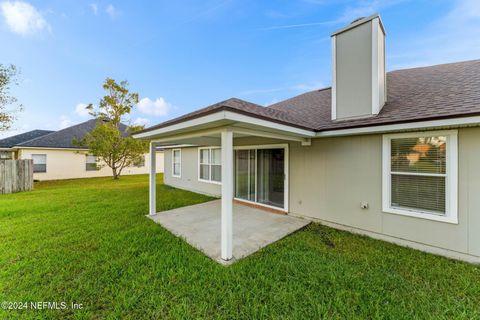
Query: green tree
x=8 y=77
x=111 y=141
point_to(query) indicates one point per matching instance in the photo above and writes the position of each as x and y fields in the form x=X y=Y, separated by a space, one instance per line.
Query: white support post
x=153 y=179
x=227 y=195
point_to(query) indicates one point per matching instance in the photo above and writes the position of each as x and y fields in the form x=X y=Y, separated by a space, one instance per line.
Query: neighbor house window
x=5 y=155
x=420 y=175
x=176 y=163
x=140 y=162
x=210 y=164
x=39 y=162
x=91 y=163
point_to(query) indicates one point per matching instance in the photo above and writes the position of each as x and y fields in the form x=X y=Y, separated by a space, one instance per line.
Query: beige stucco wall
x=329 y=179
x=70 y=164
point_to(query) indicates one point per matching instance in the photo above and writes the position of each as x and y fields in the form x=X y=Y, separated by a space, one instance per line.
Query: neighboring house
x=394 y=156
x=55 y=157
x=7 y=150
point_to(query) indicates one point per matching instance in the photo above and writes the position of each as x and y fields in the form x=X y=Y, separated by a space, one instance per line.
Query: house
x=7 y=150
x=56 y=157
x=391 y=155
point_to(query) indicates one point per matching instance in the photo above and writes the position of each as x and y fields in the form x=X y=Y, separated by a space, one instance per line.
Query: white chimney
x=359 y=87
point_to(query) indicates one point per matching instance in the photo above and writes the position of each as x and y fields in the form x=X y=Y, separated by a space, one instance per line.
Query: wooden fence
x=16 y=176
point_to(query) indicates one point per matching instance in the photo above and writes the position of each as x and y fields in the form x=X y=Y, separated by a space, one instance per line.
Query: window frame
x=39 y=154
x=141 y=162
x=199 y=163
x=451 y=177
x=87 y=163
x=9 y=155
x=173 y=163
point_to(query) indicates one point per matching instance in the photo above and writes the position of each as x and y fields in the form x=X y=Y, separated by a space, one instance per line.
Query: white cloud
x=365 y=8
x=315 y=85
x=300 y=25
x=81 y=111
x=112 y=11
x=362 y=8
x=262 y=91
x=449 y=38
x=65 y=122
x=141 y=121
x=157 y=107
x=23 y=18
x=94 y=8
x=308 y=86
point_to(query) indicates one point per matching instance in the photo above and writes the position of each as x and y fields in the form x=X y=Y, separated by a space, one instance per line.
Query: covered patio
x=226 y=230
x=253 y=228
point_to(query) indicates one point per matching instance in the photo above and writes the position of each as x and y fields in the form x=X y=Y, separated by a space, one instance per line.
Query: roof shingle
x=23 y=137
x=417 y=94
x=63 y=138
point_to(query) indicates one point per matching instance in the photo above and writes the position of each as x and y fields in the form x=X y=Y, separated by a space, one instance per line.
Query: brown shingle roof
x=242 y=107
x=417 y=94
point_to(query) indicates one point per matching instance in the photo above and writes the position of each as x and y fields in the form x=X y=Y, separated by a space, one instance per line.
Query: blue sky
x=183 y=55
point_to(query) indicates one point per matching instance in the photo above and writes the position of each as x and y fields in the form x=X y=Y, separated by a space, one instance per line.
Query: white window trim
x=209 y=165
x=451 y=180
x=86 y=162
x=173 y=163
x=46 y=165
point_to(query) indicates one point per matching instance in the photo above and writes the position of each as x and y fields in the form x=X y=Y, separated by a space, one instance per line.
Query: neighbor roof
x=416 y=94
x=63 y=138
x=23 y=137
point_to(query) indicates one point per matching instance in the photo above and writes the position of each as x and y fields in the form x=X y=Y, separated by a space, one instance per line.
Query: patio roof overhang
x=219 y=128
x=194 y=130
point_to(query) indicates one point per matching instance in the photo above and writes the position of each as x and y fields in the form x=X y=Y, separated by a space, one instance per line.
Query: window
x=210 y=164
x=39 y=162
x=420 y=175
x=5 y=155
x=91 y=163
x=176 y=163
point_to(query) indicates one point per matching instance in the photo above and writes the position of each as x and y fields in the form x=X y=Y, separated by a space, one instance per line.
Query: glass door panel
x=260 y=176
x=245 y=174
x=271 y=177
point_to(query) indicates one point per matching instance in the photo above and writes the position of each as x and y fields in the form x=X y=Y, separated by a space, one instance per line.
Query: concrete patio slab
x=253 y=228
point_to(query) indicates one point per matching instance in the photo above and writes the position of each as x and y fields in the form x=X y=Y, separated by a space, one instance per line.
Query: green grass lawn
x=89 y=242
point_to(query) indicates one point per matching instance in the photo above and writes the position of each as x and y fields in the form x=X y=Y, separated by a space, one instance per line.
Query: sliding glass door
x=245 y=178
x=260 y=176
x=271 y=177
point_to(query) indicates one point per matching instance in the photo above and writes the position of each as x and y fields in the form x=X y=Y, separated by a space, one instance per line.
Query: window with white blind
x=91 y=163
x=39 y=163
x=420 y=175
x=210 y=164
x=176 y=163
